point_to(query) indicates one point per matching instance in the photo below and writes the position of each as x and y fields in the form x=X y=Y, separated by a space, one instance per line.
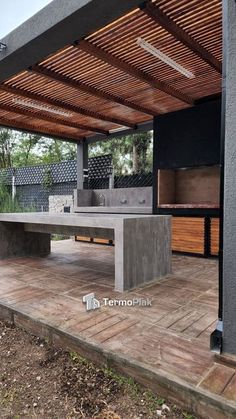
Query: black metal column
x=207 y=237
x=155 y=168
x=216 y=337
x=82 y=165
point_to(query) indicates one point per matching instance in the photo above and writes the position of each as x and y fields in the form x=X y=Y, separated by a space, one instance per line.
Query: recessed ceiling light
x=34 y=105
x=164 y=58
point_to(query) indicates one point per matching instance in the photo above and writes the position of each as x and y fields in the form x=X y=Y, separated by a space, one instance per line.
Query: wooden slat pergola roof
x=106 y=81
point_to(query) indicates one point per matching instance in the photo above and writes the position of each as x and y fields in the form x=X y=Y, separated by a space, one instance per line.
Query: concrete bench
x=142 y=243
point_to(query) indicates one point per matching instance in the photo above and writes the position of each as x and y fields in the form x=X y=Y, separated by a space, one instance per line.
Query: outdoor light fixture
x=2 y=47
x=33 y=105
x=111 y=131
x=164 y=58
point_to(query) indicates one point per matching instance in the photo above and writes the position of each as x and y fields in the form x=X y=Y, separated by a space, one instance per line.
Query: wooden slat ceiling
x=106 y=81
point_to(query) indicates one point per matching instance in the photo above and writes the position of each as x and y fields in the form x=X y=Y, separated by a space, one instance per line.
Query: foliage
x=188 y=416
x=141 y=145
x=47 y=179
x=6 y=145
x=7 y=204
x=58 y=237
x=20 y=149
x=23 y=151
x=131 y=154
x=54 y=151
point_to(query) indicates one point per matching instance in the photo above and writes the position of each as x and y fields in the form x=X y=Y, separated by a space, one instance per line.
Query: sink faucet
x=102 y=200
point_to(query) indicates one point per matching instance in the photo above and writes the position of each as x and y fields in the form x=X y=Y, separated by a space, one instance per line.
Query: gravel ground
x=39 y=381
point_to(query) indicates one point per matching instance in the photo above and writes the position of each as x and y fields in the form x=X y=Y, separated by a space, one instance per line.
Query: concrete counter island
x=142 y=242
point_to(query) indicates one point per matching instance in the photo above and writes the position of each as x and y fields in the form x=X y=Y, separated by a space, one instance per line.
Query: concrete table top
x=142 y=242
x=72 y=219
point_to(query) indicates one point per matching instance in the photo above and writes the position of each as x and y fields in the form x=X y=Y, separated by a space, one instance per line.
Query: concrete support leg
x=14 y=241
x=229 y=236
x=82 y=165
x=142 y=251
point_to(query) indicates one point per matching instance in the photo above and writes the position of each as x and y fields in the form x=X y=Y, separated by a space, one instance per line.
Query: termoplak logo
x=92 y=303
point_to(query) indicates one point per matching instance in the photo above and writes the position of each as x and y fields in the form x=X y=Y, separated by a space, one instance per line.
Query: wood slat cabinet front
x=188 y=234
x=215 y=236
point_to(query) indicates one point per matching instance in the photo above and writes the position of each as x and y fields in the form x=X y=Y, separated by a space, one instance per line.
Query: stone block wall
x=58 y=202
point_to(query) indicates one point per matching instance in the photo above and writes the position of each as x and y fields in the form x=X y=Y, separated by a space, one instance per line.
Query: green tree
x=6 y=146
x=141 y=144
x=21 y=149
x=54 y=151
x=131 y=153
x=25 y=149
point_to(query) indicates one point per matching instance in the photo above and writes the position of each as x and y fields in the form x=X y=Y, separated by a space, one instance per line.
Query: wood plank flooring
x=171 y=336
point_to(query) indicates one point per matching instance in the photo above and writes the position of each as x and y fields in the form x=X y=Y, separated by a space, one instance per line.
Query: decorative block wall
x=35 y=184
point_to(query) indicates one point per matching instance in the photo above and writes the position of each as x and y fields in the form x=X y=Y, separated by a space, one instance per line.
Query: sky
x=15 y=12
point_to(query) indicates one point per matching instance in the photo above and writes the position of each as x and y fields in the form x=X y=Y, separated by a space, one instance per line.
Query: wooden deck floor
x=170 y=340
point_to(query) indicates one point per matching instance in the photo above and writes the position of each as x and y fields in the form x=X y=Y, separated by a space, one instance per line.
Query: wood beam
x=132 y=71
x=52 y=119
x=65 y=106
x=23 y=127
x=76 y=84
x=156 y=14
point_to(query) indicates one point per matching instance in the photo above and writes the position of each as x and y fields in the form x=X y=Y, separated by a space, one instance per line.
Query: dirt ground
x=39 y=381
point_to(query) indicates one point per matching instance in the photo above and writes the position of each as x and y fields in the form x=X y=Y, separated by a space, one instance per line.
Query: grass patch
x=57 y=237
